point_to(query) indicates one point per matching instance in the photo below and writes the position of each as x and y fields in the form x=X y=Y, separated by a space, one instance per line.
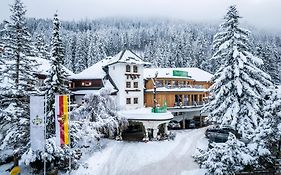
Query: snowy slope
x=139 y=158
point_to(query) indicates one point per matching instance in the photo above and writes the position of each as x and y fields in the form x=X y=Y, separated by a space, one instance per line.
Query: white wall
x=117 y=73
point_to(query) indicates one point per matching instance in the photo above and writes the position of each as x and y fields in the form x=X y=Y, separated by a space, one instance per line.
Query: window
x=128 y=84
x=86 y=83
x=168 y=84
x=136 y=100
x=175 y=84
x=159 y=83
x=128 y=100
x=128 y=68
x=136 y=84
x=135 y=69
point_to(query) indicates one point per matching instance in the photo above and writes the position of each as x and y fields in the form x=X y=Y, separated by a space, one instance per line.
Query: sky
x=263 y=14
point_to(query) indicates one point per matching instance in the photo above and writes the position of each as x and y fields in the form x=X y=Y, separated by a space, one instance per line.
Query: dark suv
x=220 y=135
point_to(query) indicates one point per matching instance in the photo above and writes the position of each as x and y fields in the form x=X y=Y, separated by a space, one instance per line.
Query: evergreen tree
x=225 y=158
x=56 y=81
x=81 y=53
x=239 y=92
x=69 y=59
x=239 y=85
x=267 y=52
x=273 y=113
x=41 y=48
x=17 y=83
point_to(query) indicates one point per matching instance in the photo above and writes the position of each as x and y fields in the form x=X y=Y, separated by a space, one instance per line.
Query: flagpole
x=45 y=123
x=69 y=132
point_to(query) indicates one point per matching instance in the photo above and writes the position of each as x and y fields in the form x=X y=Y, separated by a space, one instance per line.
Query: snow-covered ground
x=138 y=158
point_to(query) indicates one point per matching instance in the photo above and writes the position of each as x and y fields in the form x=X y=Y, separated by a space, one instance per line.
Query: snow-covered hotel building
x=131 y=84
x=184 y=90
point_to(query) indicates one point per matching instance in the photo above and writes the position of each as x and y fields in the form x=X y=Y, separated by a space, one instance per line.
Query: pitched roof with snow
x=45 y=65
x=96 y=71
x=126 y=56
x=93 y=72
x=193 y=73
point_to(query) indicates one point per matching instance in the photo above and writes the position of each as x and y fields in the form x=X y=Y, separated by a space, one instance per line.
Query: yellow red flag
x=62 y=130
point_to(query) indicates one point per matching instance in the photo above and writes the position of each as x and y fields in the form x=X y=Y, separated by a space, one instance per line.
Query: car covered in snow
x=174 y=125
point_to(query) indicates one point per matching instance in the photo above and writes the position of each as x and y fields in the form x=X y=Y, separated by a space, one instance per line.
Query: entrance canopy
x=145 y=114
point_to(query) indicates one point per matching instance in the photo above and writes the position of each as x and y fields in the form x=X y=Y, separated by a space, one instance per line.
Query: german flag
x=62 y=119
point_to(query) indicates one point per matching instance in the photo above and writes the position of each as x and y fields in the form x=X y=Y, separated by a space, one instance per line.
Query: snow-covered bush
x=225 y=158
x=53 y=154
x=99 y=113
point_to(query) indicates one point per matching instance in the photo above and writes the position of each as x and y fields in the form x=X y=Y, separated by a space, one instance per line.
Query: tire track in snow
x=152 y=158
x=179 y=159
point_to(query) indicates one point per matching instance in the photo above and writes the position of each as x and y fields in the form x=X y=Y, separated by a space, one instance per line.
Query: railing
x=193 y=103
x=182 y=86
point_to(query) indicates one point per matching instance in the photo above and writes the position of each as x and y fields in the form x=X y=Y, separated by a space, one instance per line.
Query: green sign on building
x=180 y=73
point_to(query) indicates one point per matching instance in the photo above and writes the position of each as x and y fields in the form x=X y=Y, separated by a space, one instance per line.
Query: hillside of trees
x=165 y=43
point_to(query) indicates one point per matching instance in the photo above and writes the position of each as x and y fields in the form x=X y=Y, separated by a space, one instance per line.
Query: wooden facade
x=86 y=84
x=196 y=94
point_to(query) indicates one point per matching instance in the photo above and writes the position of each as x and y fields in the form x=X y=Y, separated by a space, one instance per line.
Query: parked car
x=191 y=124
x=220 y=135
x=174 y=125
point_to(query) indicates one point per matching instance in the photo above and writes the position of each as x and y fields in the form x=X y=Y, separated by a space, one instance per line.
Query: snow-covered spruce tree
x=17 y=83
x=273 y=113
x=225 y=158
x=41 y=48
x=239 y=85
x=240 y=88
x=56 y=81
x=268 y=53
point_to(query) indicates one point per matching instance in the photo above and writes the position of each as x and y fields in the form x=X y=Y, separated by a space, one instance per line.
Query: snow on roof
x=107 y=84
x=145 y=114
x=195 y=73
x=45 y=65
x=185 y=89
x=93 y=72
x=126 y=56
x=85 y=92
x=96 y=71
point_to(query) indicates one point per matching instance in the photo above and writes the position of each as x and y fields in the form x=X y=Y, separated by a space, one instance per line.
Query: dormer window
x=128 y=68
x=135 y=69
